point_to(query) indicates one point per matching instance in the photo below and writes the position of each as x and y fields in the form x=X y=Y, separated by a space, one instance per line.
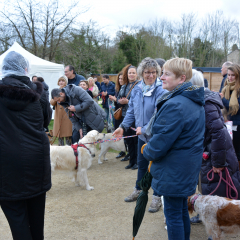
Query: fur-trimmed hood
x=17 y=92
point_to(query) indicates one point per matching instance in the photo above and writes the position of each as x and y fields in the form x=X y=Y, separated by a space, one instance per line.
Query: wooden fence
x=214 y=79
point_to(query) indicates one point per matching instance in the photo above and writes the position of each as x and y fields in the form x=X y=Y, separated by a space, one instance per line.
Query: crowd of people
x=167 y=104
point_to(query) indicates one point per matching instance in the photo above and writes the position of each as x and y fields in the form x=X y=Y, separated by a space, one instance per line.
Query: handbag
x=118 y=113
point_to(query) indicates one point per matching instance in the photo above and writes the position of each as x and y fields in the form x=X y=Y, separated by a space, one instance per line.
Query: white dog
x=63 y=158
x=117 y=145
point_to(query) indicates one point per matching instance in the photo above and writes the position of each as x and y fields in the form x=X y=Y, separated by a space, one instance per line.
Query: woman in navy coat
x=176 y=145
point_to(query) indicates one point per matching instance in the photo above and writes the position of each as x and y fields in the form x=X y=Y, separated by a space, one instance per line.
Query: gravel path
x=75 y=213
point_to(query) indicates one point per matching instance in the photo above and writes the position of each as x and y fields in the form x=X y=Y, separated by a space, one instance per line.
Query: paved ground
x=75 y=213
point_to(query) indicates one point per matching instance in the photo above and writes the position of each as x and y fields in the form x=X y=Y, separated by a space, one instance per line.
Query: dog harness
x=193 y=200
x=75 y=147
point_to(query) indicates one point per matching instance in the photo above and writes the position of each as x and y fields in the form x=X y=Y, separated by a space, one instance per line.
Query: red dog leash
x=229 y=183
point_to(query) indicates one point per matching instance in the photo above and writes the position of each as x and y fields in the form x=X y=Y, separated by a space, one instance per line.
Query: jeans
x=75 y=136
x=177 y=218
x=142 y=164
x=107 y=112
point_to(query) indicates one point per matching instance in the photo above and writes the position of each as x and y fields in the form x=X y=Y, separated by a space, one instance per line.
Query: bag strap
x=131 y=88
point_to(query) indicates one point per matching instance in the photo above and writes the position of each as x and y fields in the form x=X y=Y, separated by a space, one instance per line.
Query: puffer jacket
x=85 y=106
x=176 y=146
x=25 y=170
x=46 y=90
x=219 y=144
x=141 y=107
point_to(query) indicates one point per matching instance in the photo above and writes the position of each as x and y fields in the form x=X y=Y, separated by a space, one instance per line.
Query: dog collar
x=193 y=200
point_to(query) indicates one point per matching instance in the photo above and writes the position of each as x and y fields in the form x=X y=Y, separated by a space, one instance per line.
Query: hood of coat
x=213 y=97
x=69 y=90
x=16 y=92
x=45 y=86
x=186 y=89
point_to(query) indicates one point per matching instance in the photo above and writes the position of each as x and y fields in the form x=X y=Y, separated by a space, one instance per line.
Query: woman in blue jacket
x=140 y=110
x=176 y=145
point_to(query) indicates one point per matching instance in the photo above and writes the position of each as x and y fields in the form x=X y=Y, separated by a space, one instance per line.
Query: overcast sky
x=113 y=14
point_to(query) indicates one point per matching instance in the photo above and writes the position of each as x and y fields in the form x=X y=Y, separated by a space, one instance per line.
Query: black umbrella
x=142 y=199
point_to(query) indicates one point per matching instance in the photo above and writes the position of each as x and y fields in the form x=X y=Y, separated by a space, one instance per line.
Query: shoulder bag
x=118 y=113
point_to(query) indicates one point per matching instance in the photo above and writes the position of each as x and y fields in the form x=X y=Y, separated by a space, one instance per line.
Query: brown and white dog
x=63 y=158
x=221 y=216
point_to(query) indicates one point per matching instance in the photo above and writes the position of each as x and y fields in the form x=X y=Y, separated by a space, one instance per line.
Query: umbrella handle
x=150 y=164
x=143 y=146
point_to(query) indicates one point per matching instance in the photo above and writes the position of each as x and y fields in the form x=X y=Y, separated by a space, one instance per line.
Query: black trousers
x=236 y=141
x=26 y=217
x=132 y=144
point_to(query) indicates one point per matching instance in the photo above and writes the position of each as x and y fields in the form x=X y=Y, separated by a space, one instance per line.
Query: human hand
x=138 y=131
x=112 y=98
x=217 y=170
x=123 y=101
x=72 y=108
x=118 y=132
x=221 y=94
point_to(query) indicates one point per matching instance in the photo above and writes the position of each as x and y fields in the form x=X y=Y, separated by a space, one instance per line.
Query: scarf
x=233 y=102
x=186 y=86
x=145 y=88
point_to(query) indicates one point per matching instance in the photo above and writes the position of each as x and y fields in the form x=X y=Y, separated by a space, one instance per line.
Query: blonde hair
x=64 y=78
x=179 y=66
x=90 y=78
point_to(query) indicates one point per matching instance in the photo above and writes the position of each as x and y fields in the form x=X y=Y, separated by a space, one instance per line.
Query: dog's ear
x=190 y=207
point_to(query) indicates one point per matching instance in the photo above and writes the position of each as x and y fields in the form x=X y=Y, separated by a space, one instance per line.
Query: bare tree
x=39 y=27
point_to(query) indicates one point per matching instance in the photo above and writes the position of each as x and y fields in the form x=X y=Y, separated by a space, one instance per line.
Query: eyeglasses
x=149 y=73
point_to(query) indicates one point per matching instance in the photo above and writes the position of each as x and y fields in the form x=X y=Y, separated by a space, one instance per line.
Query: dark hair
x=40 y=79
x=56 y=92
x=71 y=68
x=118 y=86
x=34 y=77
x=200 y=70
x=160 y=61
x=105 y=76
x=125 y=73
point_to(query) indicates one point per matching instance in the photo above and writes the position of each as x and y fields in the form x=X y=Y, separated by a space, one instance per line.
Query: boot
x=155 y=205
x=133 y=196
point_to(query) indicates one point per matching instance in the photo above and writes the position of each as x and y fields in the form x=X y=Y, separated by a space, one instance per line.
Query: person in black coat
x=24 y=150
x=218 y=145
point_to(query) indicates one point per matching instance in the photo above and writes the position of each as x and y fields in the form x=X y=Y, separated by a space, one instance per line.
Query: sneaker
x=133 y=196
x=155 y=205
x=195 y=220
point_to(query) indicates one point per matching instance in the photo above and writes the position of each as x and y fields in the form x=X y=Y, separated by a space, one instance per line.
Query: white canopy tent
x=49 y=71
